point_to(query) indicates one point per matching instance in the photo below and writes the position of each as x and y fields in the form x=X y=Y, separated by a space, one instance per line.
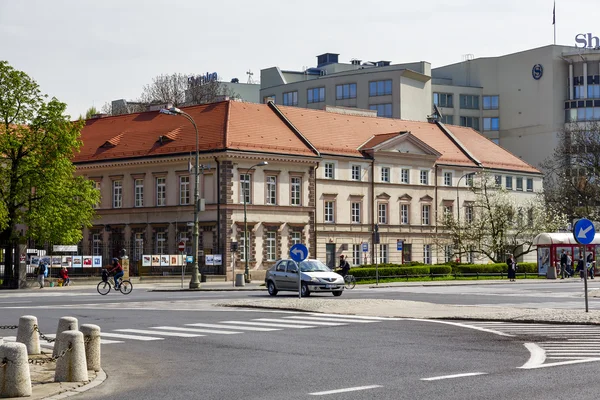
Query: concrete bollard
x=15 y=380
x=91 y=338
x=64 y=324
x=27 y=334
x=72 y=366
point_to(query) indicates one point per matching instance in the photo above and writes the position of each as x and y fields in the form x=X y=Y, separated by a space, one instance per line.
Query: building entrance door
x=330 y=255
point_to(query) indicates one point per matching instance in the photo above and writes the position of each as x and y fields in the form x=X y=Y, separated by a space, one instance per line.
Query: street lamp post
x=458 y=213
x=195 y=281
x=246 y=244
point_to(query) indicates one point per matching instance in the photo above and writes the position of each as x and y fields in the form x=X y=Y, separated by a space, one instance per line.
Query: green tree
x=90 y=112
x=40 y=197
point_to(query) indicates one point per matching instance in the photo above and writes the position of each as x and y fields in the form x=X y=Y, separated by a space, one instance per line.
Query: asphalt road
x=383 y=359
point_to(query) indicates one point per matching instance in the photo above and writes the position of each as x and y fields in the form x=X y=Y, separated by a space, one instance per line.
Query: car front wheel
x=271 y=288
x=305 y=292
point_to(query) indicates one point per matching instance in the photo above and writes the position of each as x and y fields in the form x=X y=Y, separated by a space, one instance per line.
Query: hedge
x=530 y=268
x=367 y=271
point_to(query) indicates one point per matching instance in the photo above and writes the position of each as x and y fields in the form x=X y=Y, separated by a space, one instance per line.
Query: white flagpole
x=554 y=21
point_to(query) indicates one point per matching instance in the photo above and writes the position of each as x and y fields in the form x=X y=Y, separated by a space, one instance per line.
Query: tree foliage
x=40 y=198
x=572 y=177
x=498 y=223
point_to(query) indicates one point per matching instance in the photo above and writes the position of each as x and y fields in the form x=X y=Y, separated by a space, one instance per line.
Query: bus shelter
x=551 y=245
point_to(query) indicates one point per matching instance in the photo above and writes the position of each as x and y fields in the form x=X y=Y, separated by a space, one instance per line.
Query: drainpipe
x=315 y=211
x=223 y=264
x=435 y=201
x=373 y=211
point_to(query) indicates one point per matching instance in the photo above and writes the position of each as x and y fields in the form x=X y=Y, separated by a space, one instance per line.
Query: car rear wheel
x=271 y=288
x=338 y=292
x=304 y=290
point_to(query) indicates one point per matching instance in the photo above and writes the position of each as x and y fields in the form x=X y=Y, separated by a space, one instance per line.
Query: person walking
x=569 y=264
x=512 y=268
x=41 y=273
x=591 y=265
x=580 y=266
x=563 y=264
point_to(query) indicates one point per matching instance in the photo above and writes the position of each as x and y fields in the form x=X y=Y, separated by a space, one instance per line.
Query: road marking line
x=148 y=332
x=437 y=378
x=268 y=324
x=537 y=357
x=132 y=337
x=174 y=328
x=360 y=321
x=357 y=317
x=293 y=322
x=242 y=328
x=106 y=341
x=463 y=326
x=352 y=389
x=556 y=364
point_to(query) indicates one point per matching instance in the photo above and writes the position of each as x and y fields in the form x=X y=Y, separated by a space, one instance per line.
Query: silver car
x=316 y=277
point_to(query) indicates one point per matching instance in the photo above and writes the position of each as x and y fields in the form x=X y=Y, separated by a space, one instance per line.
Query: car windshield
x=313 y=266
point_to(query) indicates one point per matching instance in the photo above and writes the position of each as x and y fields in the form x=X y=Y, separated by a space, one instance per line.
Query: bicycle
x=349 y=281
x=104 y=287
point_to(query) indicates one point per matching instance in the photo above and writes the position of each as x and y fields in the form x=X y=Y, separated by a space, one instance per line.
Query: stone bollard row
x=64 y=324
x=71 y=364
x=15 y=380
x=91 y=337
x=28 y=335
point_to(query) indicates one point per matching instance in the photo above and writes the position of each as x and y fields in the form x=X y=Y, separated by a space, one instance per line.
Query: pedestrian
x=41 y=273
x=569 y=264
x=563 y=264
x=580 y=266
x=590 y=264
x=64 y=276
x=512 y=268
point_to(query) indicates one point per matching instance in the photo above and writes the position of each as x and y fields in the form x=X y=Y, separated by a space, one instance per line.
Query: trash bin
x=239 y=280
x=202 y=277
x=551 y=273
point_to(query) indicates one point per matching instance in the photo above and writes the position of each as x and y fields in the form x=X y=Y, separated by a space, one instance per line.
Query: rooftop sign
x=587 y=41
x=202 y=79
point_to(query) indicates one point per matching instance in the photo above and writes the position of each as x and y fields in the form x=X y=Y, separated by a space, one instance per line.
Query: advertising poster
x=47 y=260
x=97 y=261
x=209 y=259
x=56 y=261
x=155 y=261
x=164 y=260
x=87 y=261
x=175 y=260
x=67 y=261
x=35 y=261
x=217 y=259
x=543 y=260
x=77 y=261
x=146 y=261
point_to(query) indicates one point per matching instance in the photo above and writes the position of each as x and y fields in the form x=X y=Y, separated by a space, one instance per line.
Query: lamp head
x=170 y=111
x=262 y=164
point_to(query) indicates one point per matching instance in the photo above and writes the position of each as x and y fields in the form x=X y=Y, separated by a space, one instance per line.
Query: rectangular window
x=380 y=88
x=161 y=242
x=329 y=211
x=382 y=213
x=491 y=124
x=404 y=214
x=470 y=122
x=356 y=250
x=443 y=100
x=469 y=213
x=184 y=190
x=490 y=102
x=245 y=188
x=424 y=177
x=509 y=185
x=117 y=194
x=98 y=186
x=290 y=98
x=355 y=211
x=138 y=249
x=426 y=214
x=448 y=211
x=520 y=184
x=470 y=179
x=356 y=172
x=346 y=91
x=407 y=252
x=296 y=191
x=385 y=174
x=529 y=184
x=242 y=246
x=296 y=237
x=383 y=254
x=161 y=192
x=405 y=175
x=97 y=244
x=271 y=246
x=138 y=185
x=469 y=102
x=448 y=253
x=316 y=95
x=330 y=170
x=271 y=190
x=448 y=119
x=498 y=180
x=447 y=178
x=427 y=254
x=383 y=110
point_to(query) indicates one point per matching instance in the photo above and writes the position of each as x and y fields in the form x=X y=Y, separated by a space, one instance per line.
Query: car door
x=291 y=275
x=279 y=275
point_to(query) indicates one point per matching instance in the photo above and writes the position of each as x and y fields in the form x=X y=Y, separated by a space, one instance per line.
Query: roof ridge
x=291 y=126
x=458 y=143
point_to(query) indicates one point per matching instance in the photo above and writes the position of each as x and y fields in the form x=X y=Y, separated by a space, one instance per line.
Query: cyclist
x=118 y=270
x=344 y=266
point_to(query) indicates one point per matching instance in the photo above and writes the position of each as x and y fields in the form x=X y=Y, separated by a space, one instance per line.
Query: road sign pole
x=584 y=233
x=585 y=279
x=182 y=268
x=298 y=253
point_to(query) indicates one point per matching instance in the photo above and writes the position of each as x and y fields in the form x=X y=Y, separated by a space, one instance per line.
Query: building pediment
x=383 y=196
x=426 y=199
x=405 y=197
x=399 y=142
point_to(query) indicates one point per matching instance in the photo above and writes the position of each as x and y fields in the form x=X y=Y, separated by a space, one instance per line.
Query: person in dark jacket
x=512 y=268
x=563 y=264
x=580 y=266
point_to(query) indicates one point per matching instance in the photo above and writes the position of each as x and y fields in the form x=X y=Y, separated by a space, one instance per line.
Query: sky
x=87 y=53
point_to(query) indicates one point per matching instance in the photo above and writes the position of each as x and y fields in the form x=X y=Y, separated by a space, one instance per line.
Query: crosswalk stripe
x=148 y=332
x=132 y=337
x=291 y=322
x=360 y=321
x=241 y=328
x=174 y=328
x=352 y=316
x=271 y=325
x=106 y=341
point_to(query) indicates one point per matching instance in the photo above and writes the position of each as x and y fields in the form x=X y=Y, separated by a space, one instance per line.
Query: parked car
x=316 y=277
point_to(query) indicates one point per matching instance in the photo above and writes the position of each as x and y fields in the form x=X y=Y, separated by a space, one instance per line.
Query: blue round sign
x=537 y=71
x=298 y=252
x=584 y=231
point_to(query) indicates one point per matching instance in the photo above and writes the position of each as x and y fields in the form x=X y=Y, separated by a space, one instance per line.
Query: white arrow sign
x=300 y=252
x=583 y=232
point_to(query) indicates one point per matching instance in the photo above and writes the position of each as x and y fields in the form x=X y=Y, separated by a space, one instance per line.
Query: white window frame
x=138 y=245
x=425 y=214
x=355 y=172
x=356 y=253
x=329 y=211
x=427 y=259
x=385 y=174
x=355 y=212
x=245 y=188
x=161 y=242
x=97 y=244
x=138 y=185
x=382 y=213
x=117 y=186
x=448 y=175
x=383 y=254
x=271 y=187
x=448 y=253
x=424 y=176
x=242 y=245
x=271 y=245
x=184 y=190
x=404 y=214
x=295 y=191
x=329 y=170
x=161 y=191
x=98 y=187
x=296 y=237
x=405 y=175
x=469 y=213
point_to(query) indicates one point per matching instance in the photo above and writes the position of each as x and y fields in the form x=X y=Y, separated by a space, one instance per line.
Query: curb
x=209 y=290
x=99 y=379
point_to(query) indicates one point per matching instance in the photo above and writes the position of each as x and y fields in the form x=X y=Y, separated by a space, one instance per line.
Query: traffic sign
x=181 y=246
x=365 y=247
x=399 y=244
x=189 y=259
x=584 y=231
x=298 y=252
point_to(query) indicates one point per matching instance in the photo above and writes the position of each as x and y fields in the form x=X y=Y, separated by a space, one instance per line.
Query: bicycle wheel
x=350 y=282
x=103 y=288
x=125 y=287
